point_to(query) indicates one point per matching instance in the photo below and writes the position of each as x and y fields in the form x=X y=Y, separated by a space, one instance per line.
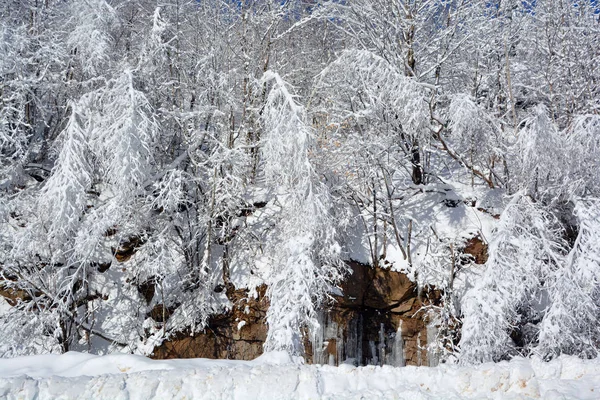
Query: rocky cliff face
x=238 y=334
x=378 y=317
x=377 y=320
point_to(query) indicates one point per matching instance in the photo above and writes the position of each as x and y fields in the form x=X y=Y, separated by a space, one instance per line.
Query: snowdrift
x=277 y=376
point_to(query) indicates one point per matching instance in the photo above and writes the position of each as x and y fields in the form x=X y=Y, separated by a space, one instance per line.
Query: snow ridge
x=277 y=376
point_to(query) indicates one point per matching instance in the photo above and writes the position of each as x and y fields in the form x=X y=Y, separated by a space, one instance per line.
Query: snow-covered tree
x=569 y=324
x=151 y=165
x=90 y=40
x=540 y=159
x=64 y=197
x=508 y=294
x=303 y=253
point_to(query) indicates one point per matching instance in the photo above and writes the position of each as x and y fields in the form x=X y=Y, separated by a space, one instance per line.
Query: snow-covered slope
x=276 y=376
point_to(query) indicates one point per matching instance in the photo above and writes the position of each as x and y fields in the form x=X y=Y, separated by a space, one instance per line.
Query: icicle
x=432 y=354
x=351 y=347
x=398 y=348
x=373 y=360
x=359 y=350
x=419 y=355
x=339 y=350
x=381 y=344
x=317 y=338
x=327 y=339
x=331 y=333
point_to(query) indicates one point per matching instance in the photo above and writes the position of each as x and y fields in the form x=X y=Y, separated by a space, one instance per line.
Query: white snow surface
x=278 y=376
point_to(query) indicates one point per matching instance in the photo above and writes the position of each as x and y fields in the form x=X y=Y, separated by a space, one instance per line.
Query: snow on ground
x=276 y=376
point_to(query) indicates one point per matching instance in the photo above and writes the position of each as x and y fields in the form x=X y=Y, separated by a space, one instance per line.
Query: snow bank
x=276 y=376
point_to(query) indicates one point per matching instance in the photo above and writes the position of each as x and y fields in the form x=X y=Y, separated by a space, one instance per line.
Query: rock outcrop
x=476 y=248
x=379 y=319
x=238 y=334
x=378 y=309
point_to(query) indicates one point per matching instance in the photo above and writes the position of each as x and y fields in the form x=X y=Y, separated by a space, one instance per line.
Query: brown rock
x=374 y=287
x=478 y=249
x=14 y=296
x=222 y=339
x=200 y=346
x=389 y=288
x=404 y=307
x=160 y=313
x=355 y=285
x=147 y=289
x=128 y=248
x=332 y=348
